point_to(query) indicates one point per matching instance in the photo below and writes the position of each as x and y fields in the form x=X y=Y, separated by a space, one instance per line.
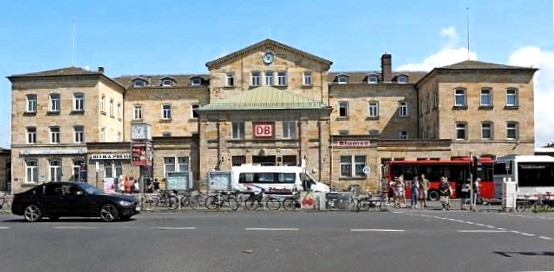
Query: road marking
x=545 y=238
x=175 y=228
x=74 y=227
x=4 y=227
x=377 y=230
x=482 y=231
x=272 y=229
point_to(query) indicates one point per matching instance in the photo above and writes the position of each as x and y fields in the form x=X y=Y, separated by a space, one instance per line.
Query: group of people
x=419 y=187
x=131 y=185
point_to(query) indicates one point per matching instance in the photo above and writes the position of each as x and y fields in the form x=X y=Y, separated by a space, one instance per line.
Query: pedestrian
x=477 y=191
x=128 y=184
x=149 y=185
x=464 y=195
x=156 y=185
x=136 y=187
x=414 y=193
x=424 y=185
x=121 y=185
x=400 y=198
x=445 y=191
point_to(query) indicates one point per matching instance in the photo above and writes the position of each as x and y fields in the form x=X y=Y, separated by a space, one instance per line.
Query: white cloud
x=532 y=56
x=451 y=36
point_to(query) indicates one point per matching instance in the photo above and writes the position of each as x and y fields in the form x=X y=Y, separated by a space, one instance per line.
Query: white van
x=273 y=179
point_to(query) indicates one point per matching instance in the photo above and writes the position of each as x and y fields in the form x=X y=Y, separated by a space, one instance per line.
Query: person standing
x=414 y=192
x=464 y=195
x=445 y=191
x=424 y=185
x=477 y=191
x=400 y=197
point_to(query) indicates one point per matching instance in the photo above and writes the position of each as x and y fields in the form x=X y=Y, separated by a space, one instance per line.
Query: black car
x=75 y=199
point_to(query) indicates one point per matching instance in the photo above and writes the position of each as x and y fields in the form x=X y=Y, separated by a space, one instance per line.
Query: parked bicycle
x=193 y=199
x=222 y=200
x=254 y=201
x=541 y=204
x=291 y=203
x=367 y=202
x=163 y=199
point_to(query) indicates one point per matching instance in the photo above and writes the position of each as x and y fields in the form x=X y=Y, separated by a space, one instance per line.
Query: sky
x=179 y=37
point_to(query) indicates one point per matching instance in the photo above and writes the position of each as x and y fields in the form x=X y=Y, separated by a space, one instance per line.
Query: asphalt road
x=399 y=240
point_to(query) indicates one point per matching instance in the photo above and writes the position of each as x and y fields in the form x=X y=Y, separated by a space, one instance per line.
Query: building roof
x=264 y=45
x=359 y=77
x=68 y=71
x=182 y=80
x=263 y=98
x=473 y=64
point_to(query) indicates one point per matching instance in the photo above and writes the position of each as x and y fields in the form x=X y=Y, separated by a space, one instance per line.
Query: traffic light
x=477 y=167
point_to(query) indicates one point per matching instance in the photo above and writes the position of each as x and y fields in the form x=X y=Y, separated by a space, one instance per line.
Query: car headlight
x=125 y=203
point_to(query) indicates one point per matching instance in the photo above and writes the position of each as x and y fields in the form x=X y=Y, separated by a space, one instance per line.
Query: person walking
x=445 y=191
x=414 y=192
x=424 y=185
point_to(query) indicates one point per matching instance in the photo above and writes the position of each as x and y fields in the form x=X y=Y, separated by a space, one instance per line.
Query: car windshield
x=91 y=190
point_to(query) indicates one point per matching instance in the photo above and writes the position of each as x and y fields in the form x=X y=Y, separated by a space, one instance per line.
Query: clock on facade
x=268 y=57
x=139 y=131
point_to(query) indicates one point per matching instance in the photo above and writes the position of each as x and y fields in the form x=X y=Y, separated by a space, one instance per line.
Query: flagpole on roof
x=73 y=45
x=467 y=20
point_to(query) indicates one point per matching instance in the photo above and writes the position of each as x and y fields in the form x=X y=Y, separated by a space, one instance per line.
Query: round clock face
x=138 y=132
x=268 y=58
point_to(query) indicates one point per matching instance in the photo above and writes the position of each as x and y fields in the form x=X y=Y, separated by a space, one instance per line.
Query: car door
x=52 y=200
x=76 y=201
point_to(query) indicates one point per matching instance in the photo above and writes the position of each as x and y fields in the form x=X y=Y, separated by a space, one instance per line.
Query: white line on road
x=74 y=227
x=545 y=238
x=377 y=230
x=4 y=227
x=482 y=231
x=175 y=228
x=273 y=229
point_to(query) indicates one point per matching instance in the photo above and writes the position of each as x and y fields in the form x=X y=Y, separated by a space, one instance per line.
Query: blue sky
x=172 y=37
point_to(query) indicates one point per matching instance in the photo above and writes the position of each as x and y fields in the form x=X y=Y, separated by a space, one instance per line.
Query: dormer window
x=372 y=79
x=196 y=81
x=139 y=82
x=167 y=81
x=342 y=79
x=402 y=79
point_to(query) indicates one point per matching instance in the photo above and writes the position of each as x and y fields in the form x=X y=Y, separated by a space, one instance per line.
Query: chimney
x=386 y=67
x=101 y=69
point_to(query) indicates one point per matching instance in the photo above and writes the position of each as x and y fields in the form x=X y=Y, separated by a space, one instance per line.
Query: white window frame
x=55 y=170
x=460 y=94
x=512 y=97
x=31 y=135
x=54 y=135
x=461 y=127
x=486 y=128
x=372 y=79
x=307 y=78
x=103 y=104
x=102 y=134
x=193 y=114
x=76 y=172
x=31 y=171
x=166 y=111
x=167 y=82
x=351 y=166
x=79 y=134
x=402 y=79
x=289 y=129
x=373 y=109
x=137 y=112
x=196 y=81
x=268 y=78
x=31 y=106
x=512 y=127
x=237 y=130
x=343 y=106
x=138 y=83
x=486 y=93
x=255 y=78
x=55 y=101
x=342 y=79
x=229 y=80
x=403 y=109
x=281 y=78
x=79 y=102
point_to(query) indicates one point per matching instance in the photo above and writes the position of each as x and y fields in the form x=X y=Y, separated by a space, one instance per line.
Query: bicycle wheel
x=364 y=205
x=273 y=204
x=232 y=203
x=251 y=204
x=212 y=203
x=290 y=204
x=196 y=201
x=185 y=201
x=148 y=203
x=172 y=203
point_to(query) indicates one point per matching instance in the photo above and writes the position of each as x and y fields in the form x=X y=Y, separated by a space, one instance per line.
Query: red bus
x=456 y=170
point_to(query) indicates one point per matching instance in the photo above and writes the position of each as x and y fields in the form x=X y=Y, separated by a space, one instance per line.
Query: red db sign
x=263 y=130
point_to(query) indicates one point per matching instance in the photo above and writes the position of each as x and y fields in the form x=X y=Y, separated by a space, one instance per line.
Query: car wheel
x=434 y=195
x=32 y=213
x=108 y=212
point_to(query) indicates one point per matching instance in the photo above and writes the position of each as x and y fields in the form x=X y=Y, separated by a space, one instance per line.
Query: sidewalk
x=456 y=206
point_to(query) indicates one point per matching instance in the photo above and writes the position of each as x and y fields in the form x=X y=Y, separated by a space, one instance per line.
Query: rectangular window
x=307 y=78
x=31 y=135
x=373 y=109
x=486 y=98
x=137 y=112
x=193 y=108
x=343 y=109
x=103 y=103
x=31 y=103
x=31 y=171
x=238 y=130
x=79 y=171
x=403 y=109
x=238 y=160
x=511 y=98
x=289 y=130
x=79 y=102
x=118 y=165
x=269 y=78
x=196 y=82
x=103 y=134
x=282 y=78
x=255 y=79
x=461 y=133
x=54 y=103
x=345 y=166
x=229 y=80
x=55 y=170
x=359 y=164
x=169 y=165
x=55 y=135
x=166 y=111
x=79 y=134
x=511 y=131
x=108 y=169
x=486 y=131
x=119 y=110
x=183 y=164
x=460 y=98
x=111 y=108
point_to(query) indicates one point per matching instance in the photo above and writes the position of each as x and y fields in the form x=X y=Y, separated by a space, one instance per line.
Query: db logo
x=263 y=130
